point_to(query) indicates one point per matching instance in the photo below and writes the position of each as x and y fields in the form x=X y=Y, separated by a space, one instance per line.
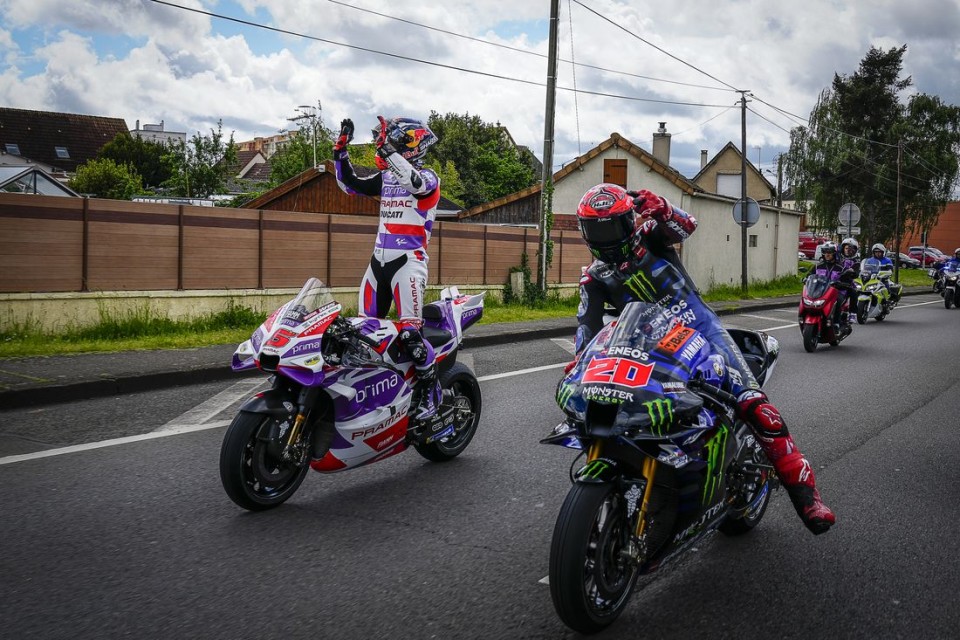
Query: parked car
x=933 y=255
x=905 y=261
x=809 y=243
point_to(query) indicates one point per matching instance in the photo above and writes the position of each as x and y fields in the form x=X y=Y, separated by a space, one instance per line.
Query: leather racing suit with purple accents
x=654 y=273
x=397 y=271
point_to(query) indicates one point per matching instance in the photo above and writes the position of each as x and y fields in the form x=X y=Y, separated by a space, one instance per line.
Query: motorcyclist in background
x=630 y=236
x=850 y=255
x=834 y=271
x=951 y=264
x=397 y=272
x=878 y=261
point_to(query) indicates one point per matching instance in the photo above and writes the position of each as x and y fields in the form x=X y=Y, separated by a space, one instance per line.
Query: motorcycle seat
x=436 y=337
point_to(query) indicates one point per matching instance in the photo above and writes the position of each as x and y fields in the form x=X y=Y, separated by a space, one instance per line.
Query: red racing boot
x=792 y=468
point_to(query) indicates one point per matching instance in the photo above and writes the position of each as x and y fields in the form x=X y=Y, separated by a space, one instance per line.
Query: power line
x=661 y=50
x=734 y=106
x=519 y=50
x=250 y=23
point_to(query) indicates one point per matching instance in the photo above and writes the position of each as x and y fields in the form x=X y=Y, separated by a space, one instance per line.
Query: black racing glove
x=346 y=134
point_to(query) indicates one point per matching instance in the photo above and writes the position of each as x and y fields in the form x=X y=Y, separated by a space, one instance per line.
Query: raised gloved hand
x=346 y=134
x=650 y=205
x=384 y=146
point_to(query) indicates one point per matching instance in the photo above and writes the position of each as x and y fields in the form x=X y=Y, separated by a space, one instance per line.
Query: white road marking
x=747 y=315
x=112 y=442
x=565 y=344
x=207 y=410
x=544 y=580
x=510 y=374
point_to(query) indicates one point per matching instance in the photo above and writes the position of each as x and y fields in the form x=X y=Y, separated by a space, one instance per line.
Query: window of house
x=752 y=241
x=12 y=148
x=62 y=153
x=615 y=171
x=728 y=184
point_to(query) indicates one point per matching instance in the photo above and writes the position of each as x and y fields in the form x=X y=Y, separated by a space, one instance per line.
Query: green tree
x=144 y=156
x=201 y=166
x=106 y=179
x=297 y=154
x=489 y=165
x=849 y=151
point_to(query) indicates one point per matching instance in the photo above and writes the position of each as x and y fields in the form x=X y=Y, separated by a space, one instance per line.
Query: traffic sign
x=849 y=215
x=753 y=212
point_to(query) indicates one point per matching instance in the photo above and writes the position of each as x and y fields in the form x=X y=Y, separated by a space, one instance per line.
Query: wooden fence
x=51 y=244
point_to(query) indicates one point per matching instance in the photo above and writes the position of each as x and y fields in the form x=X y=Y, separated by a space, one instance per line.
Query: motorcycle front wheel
x=862 y=311
x=252 y=471
x=947 y=298
x=810 y=337
x=591 y=574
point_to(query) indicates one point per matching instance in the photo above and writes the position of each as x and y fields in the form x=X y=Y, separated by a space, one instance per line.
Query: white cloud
x=181 y=69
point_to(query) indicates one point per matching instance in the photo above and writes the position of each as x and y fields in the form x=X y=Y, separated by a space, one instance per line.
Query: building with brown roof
x=59 y=142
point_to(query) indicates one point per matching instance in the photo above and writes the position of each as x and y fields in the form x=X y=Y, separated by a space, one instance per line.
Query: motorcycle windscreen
x=633 y=381
x=815 y=286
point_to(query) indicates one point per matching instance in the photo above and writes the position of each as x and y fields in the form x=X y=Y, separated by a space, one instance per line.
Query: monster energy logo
x=594 y=469
x=661 y=414
x=564 y=393
x=641 y=286
x=716 y=454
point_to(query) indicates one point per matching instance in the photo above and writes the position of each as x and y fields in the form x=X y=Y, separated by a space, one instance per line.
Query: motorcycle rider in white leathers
x=397 y=272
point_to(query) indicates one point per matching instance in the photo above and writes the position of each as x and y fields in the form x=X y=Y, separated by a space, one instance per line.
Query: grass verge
x=143 y=329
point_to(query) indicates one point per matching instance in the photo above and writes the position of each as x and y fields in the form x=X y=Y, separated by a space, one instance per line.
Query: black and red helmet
x=607 y=222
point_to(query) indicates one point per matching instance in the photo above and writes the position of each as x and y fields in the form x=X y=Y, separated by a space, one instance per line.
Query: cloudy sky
x=638 y=63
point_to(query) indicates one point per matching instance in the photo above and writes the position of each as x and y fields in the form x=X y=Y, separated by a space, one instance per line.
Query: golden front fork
x=649 y=471
x=295 y=430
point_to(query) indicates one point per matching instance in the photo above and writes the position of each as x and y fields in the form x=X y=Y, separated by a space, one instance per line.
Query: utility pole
x=309 y=112
x=780 y=181
x=546 y=182
x=743 y=191
x=896 y=227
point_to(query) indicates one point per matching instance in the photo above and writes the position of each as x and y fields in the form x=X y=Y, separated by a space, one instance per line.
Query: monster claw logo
x=716 y=450
x=594 y=469
x=641 y=286
x=564 y=394
x=661 y=414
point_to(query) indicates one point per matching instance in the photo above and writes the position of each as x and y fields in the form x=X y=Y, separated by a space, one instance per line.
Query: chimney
x=137 y=128
x=661 y=144
x=703 y=158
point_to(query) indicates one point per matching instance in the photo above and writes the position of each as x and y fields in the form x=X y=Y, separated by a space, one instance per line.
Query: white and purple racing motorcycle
x=340 y=395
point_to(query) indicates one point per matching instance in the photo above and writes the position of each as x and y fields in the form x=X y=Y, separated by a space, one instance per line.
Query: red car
x=809 y=243
x=933 y=256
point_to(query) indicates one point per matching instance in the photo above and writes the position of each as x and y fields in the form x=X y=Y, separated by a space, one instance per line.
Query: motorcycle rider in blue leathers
x=951 y=264
x=397 y=273
x=630 y=236
x=878 y=262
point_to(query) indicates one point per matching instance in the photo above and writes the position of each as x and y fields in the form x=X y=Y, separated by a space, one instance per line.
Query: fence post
x=485 y=228
x=260 y=251
x=85 y=250
x=180 y=248
x=329 y=276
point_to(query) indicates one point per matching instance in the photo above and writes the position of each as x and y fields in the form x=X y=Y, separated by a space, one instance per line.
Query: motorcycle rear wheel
x=467 y=404
x=591 y=577
x=810 y=337
x=252 y=474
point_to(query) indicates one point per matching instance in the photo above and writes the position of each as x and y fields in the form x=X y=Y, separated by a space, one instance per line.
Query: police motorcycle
x=665 y=463
x=945 y=283
x=875 y=299
x=340 y=395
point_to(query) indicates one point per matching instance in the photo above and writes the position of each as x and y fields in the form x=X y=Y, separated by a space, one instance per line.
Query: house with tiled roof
x=58 y=142
x=712 y=255
x=721 y=175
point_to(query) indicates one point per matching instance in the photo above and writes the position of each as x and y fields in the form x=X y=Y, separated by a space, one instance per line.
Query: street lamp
x=309 y=112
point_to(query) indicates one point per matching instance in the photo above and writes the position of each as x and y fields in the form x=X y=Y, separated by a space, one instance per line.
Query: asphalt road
x=129 y=533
